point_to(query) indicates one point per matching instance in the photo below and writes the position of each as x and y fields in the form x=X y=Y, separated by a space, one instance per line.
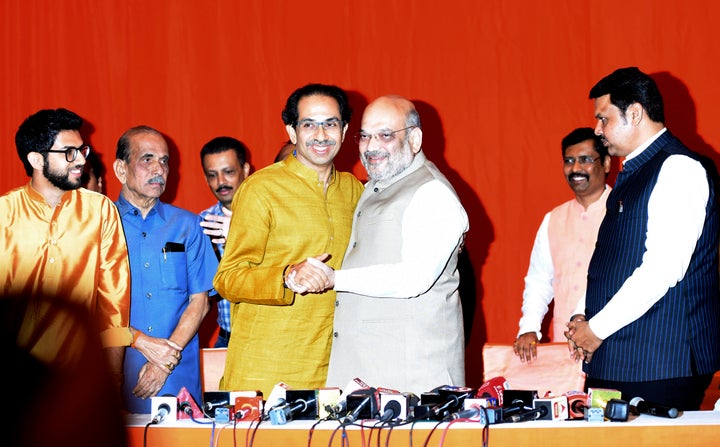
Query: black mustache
x=580 y=174
x=223 y=188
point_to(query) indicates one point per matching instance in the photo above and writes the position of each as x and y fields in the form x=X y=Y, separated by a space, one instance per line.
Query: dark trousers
x=683 y=393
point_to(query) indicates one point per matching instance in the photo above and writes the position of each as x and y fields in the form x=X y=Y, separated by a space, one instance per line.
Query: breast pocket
x=173 y=271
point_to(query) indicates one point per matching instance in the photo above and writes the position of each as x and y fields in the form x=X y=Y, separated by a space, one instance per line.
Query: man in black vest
x=650 y=322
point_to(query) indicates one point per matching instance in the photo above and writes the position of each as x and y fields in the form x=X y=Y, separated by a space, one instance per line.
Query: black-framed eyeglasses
x=309 y=125
x=71 y=152
x=386 y=136
x=583 y=160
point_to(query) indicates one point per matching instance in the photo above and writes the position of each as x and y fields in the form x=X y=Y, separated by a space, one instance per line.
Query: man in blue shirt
x=172 y=265
x=224 y=162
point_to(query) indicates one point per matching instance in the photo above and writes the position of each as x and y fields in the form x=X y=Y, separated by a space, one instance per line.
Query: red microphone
x=493 y=388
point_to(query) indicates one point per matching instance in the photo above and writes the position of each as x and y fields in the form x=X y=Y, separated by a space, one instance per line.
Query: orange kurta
x=61 y=261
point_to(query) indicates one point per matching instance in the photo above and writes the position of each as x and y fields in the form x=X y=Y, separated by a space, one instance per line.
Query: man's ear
x=37 y=161
x=119 y=168
x=635 y=113
x=416 y=139
x=291 y=133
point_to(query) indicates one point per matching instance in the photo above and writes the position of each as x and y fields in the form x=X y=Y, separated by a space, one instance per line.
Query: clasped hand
x=311 y=276
x=582 y=341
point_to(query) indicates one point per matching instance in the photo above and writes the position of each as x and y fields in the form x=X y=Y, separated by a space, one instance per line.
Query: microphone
x=493 y=388
x=556 y=408
x=364 y=405
x=515 y=407
x=640 y=406
x=285 y=413
x=475 y=411
x=529 y=414
x=577 y=402
x=163 y=410
x=391 y=411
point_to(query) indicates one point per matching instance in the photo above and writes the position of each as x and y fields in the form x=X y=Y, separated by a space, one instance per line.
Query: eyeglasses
x=583 y=160
x=71 y=152
x=386 y=136
x=312 y=125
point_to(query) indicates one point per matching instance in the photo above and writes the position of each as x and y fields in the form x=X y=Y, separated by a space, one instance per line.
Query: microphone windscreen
x=493 y=388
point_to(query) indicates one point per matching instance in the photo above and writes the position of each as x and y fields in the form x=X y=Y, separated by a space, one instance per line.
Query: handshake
x=310 y=276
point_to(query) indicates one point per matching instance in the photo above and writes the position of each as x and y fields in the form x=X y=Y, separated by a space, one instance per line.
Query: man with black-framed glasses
x=62 y=248
x=564 y=243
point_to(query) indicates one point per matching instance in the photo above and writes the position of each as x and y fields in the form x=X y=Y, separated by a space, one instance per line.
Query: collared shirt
x=223 y=305
x=287 y=215
x=170 y=259
x=74 y=253
x=681 y=191
x=558 y=264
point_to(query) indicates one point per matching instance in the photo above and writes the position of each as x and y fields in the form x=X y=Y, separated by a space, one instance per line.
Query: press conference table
x=696 y=428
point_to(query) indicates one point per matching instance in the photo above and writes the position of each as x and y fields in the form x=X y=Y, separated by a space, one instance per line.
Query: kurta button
x=147 y=264
x=335 y=334
x=149 y=294
x=144 y=234
x=354 y=244
x=337 y=303
x=51 y=260
x=376 y=189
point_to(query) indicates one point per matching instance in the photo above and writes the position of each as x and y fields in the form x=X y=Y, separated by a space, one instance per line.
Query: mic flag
x=163 y=408
x=577 y=402
x=189 y=409
x=494 y=388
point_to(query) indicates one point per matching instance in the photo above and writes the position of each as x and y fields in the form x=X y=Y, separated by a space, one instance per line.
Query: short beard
x=60 y=180
x=397 y=162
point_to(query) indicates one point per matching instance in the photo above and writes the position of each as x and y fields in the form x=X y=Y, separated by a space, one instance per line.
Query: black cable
x=145 y=433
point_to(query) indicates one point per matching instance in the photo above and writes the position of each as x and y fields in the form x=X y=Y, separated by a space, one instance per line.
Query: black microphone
x=515 y=407
x=361 y=404
x=163 y=410
x=186 y=407
x=352 y=416
x=640 y=406
x=528 y=415
x=391 y=411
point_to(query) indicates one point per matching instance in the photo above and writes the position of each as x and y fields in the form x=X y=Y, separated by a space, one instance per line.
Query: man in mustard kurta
x=62 y=251
x=283 y=214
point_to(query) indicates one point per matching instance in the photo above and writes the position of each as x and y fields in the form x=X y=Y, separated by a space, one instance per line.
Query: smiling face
x=391 y=146
x=224 y=173
x=317 y=145
x=586 y=178
x=57 y=170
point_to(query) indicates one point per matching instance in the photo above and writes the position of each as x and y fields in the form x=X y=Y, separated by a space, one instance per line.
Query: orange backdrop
x=498 y=83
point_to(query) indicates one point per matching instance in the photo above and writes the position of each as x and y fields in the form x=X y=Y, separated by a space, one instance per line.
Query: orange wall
x=498 y=84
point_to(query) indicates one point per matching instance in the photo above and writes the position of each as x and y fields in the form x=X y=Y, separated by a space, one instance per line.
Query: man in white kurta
x=565 y=242
x=398 y=319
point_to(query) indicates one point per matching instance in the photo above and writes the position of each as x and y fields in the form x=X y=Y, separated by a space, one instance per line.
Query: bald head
x=390 y=105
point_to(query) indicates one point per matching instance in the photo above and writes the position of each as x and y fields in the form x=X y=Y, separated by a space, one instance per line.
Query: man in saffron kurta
x=62 y=249
x=281 y=215
x=565 y=242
